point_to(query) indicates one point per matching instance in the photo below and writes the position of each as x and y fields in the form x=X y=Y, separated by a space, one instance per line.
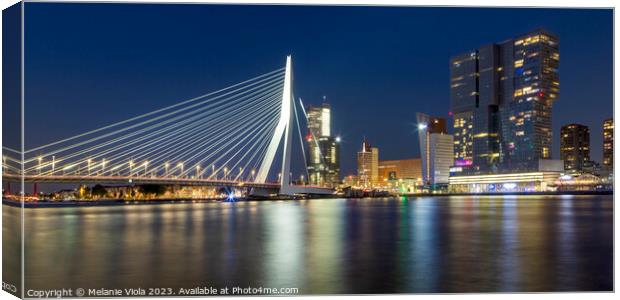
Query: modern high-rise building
x=368 y=165
x=575 y=146
x=608 y=143
x=319 y=120
x=475 y=103
x=526 y=118
x=441 y=158
x=436 y=149
x=501 y=98
x=323 y=149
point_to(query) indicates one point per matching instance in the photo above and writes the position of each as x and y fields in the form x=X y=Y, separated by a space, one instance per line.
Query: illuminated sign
x=456 y=169
x=509 y=186
x=463 y=162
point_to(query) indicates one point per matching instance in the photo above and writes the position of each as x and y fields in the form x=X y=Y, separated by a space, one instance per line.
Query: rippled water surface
x=395 y=245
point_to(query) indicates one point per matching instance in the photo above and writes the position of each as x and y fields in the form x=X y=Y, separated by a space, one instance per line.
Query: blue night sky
x=88 y=65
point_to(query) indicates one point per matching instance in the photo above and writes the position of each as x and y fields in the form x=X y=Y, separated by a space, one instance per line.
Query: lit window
x=518 y=63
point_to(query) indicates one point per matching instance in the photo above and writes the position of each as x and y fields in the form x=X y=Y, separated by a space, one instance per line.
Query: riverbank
x=114 y=202
x=514 y=193
x=111 y=202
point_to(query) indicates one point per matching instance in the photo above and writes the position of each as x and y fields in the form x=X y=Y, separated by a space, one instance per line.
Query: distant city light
x=509 y=186
x=230 y=197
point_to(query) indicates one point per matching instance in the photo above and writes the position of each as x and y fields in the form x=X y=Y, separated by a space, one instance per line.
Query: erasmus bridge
x=229 y=138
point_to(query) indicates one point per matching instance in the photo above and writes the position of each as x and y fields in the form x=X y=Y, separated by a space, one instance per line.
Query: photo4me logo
x=237 y=290
x=263 y=291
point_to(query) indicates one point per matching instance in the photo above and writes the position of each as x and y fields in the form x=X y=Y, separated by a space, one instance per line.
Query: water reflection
x=424 y=259
x=508 y=261
x=283 y=257
x=391 y=245
x=324 y=234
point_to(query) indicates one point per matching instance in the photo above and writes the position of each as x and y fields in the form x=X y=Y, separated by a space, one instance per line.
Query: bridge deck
x=301 y=189
x=134 y=180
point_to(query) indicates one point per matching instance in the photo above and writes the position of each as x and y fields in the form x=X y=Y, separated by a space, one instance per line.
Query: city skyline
x=391 y=87
x=253 y=150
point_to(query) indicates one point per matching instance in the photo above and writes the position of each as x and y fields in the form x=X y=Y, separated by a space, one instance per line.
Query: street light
x=103 y=167
x=197 y=171
x=253 y=172
x=88 y=163
x=130 y=168
x=40 y=159
x=53 y=164
x=240 y=171
x=146 y=164
x=166 y=165
x=180 y=166
x=225 y=171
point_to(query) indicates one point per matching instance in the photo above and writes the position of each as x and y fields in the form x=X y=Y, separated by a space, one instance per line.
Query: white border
x=449 y=3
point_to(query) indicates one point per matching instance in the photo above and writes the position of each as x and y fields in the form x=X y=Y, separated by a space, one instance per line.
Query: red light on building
x=450 y=113
x=541 y=94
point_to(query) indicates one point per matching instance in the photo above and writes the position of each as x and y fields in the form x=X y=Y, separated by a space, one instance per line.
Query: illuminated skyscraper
x=501 y=99
x=526 y=116
x=608 y=143
x=368 y=165
x=319 y=120
x=323 y=149
x=436 y=149
x=475 y=102
x=575 y=146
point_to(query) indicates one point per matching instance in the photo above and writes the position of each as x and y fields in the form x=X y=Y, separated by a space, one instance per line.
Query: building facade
x=474 y=95
x=441 y=158
x=526 y=118
x=323 y=160
x=501 y=98
x=436 y=149
x=368 y=165
x=545 y=179
x=505 y=183
x=575 y=147
x=608 y=143
x=400 y=169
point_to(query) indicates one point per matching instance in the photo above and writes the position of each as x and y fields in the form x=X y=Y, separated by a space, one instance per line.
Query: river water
x=325 y=246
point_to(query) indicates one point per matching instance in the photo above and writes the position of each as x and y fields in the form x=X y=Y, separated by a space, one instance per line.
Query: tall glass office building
x=575 y=146
x=501 y=98
x=323 y=149
x=608 y=143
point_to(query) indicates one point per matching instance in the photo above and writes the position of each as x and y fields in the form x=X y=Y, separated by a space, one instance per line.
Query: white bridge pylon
x=283 y=129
